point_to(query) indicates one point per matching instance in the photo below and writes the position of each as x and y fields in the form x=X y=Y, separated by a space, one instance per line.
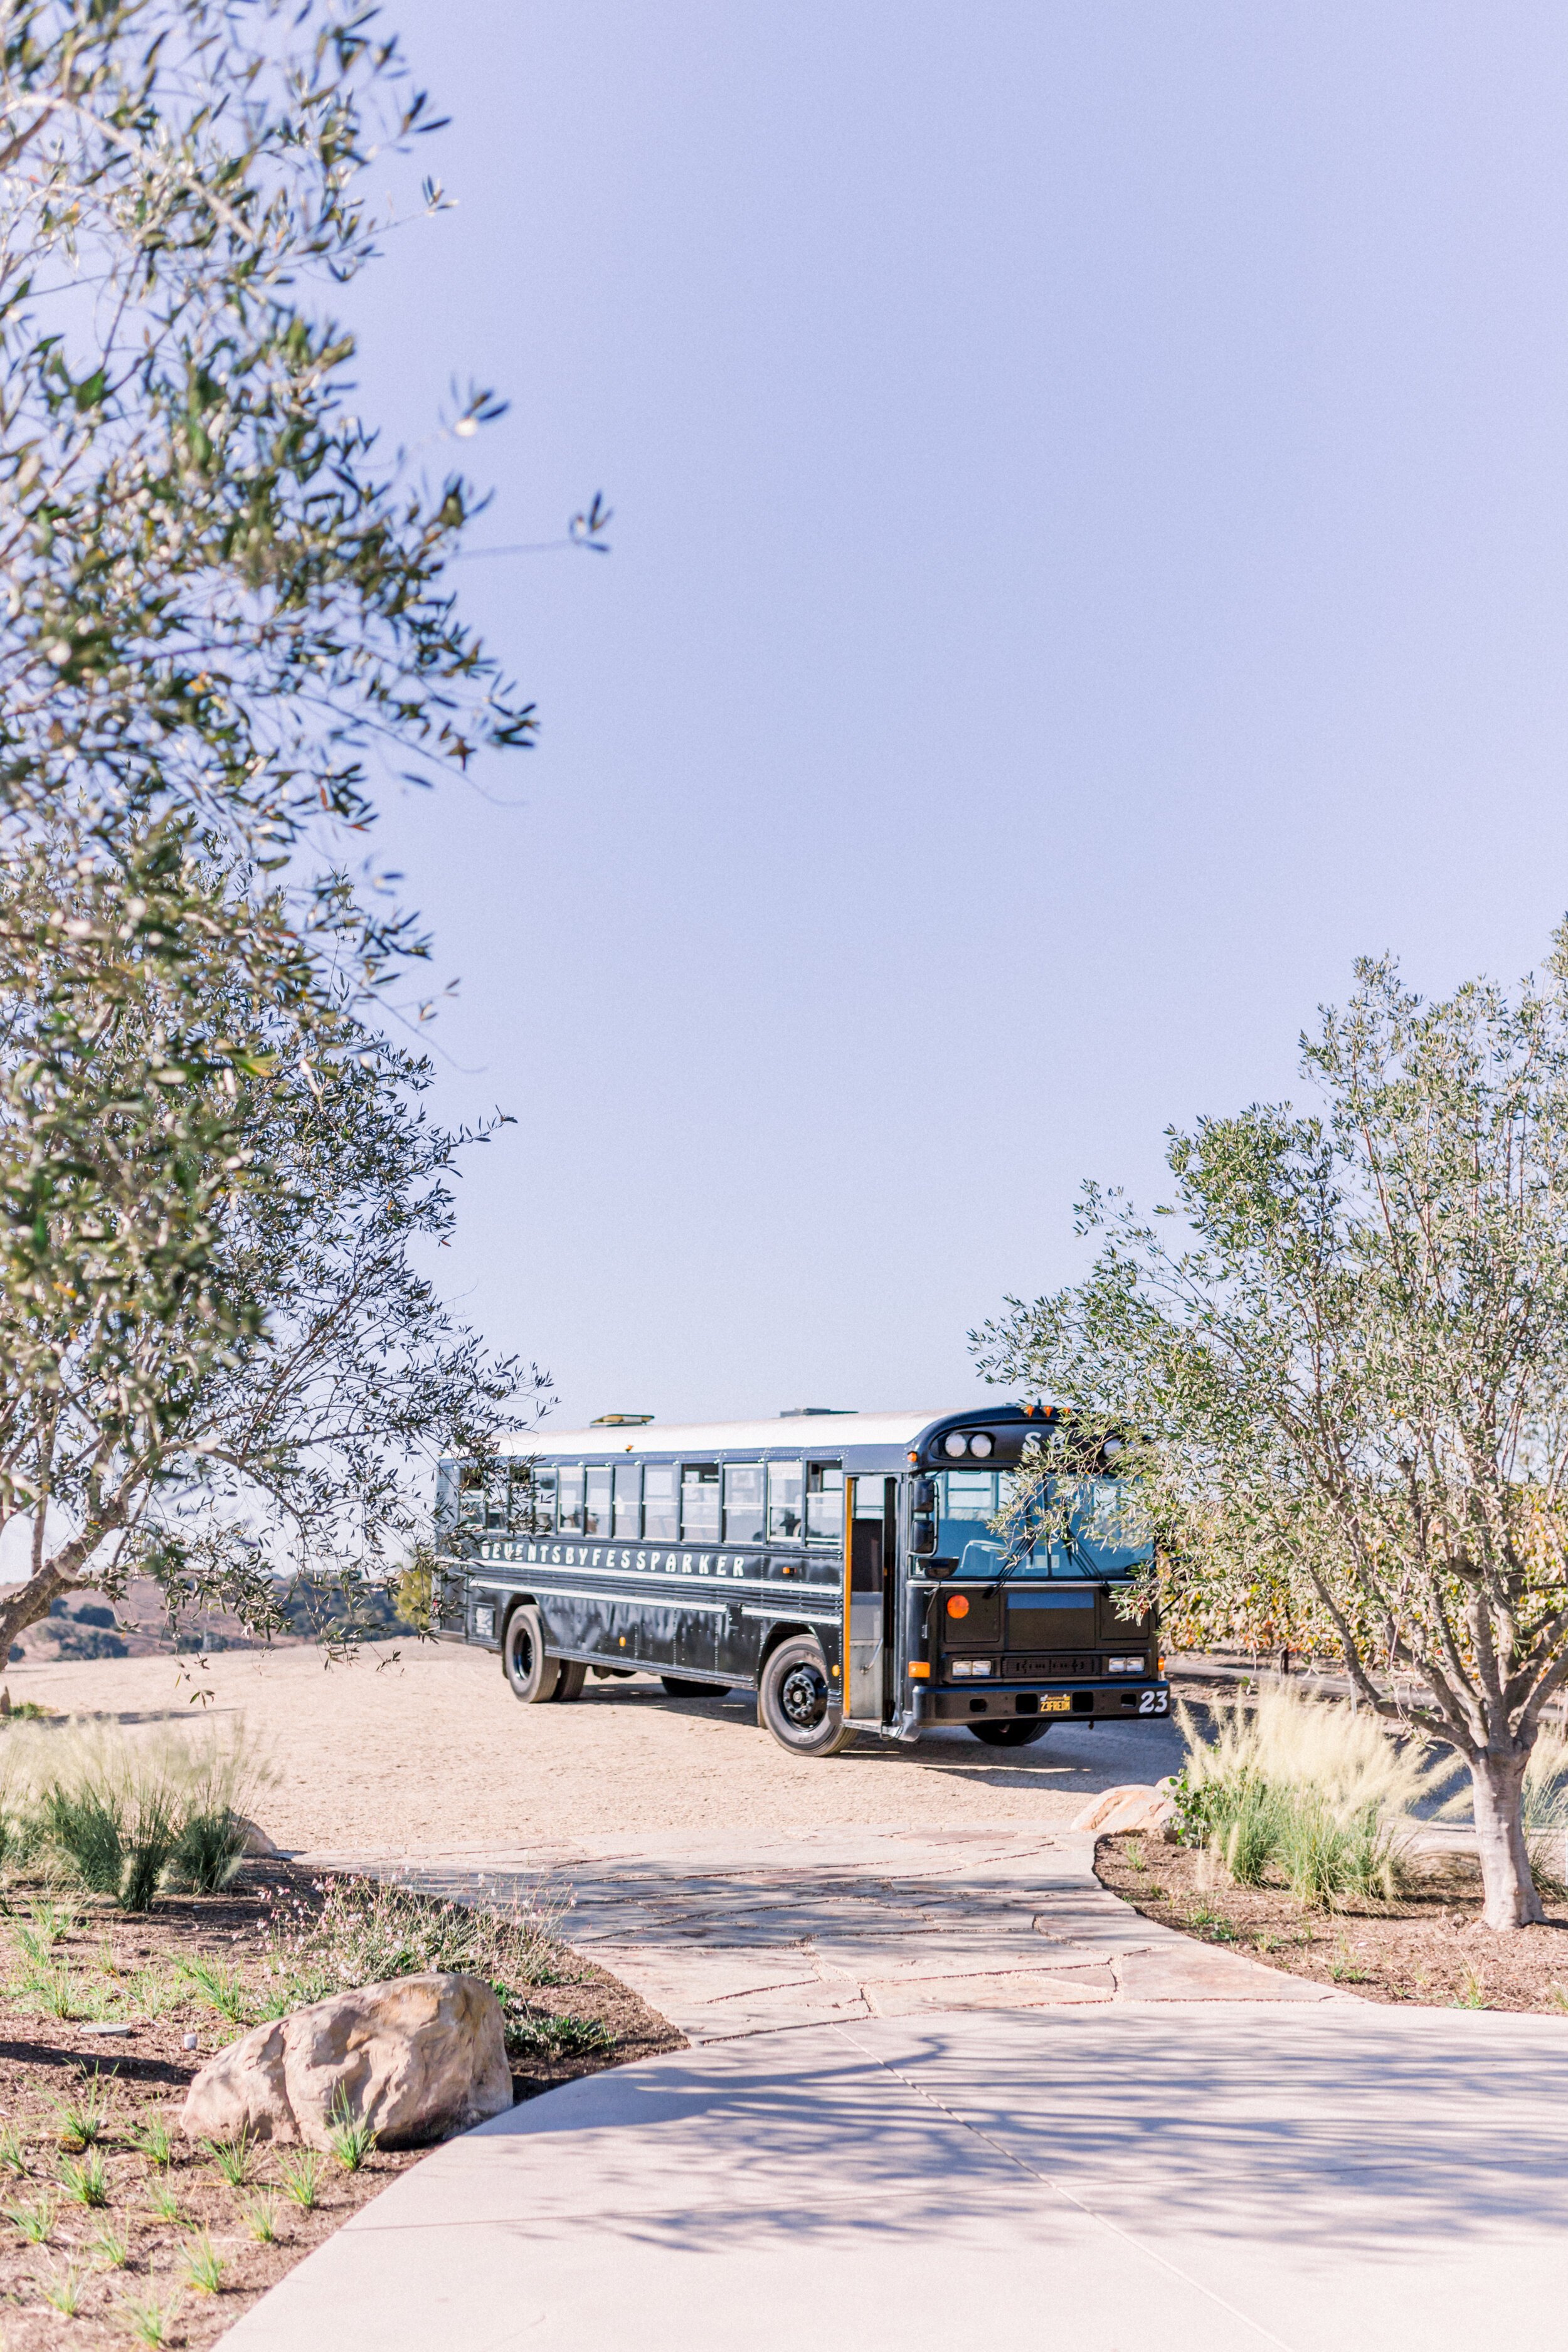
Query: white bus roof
x=807 y=1433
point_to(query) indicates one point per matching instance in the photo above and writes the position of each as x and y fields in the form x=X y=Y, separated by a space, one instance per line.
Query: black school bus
x=844 y=1566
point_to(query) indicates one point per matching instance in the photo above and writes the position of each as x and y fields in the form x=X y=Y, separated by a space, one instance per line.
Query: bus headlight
x=960 y=1667
x=1124 y=1665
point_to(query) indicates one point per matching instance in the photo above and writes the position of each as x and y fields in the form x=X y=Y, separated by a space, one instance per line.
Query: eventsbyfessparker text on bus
x=847 y=1566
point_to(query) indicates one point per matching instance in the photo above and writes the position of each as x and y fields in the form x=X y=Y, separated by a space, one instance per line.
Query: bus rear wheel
x=532 y=1674
x=798 y=1702
x=570 y=1679
x=1021 y=1732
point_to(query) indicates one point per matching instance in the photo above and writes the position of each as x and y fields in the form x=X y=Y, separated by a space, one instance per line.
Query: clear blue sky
x=1091 y=558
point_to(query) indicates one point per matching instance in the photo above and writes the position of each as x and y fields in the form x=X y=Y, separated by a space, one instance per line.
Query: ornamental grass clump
x=128 y=1818
x=1544 y=1811
x=1315 y=1791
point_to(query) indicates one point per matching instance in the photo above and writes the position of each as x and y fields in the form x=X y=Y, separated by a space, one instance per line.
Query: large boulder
x=417 y=2059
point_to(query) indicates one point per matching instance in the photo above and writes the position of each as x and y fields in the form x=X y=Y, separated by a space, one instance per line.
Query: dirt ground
x=1431 y=1951
x=420 y=1749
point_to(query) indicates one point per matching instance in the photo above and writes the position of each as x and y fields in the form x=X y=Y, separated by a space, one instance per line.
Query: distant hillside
x=87 y=1626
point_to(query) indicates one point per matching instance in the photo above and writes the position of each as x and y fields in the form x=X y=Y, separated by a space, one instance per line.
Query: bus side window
x=786 y=1501
x=743 y=1502
x=824 y=1502
x=659 y=1524
x=570 y=1502
x=629 y=1500
x=699 y=1502
x=472 y=1495
x=497 y=1487
x=531 y=1500
x=596 y=1507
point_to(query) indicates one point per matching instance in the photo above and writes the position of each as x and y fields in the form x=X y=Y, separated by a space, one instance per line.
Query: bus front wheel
x=799 y=1703
x=531 y=1675
x=1022 y=1731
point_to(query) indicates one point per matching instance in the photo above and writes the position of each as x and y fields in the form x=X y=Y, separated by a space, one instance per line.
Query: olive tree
x=1338 y=1358
x=222 y=598
x=226 y=623
x=221 y=1355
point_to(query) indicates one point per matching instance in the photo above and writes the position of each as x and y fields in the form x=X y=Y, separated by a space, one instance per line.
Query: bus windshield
x=1106 y=1533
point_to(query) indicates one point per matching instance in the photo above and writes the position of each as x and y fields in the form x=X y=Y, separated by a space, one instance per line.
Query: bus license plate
x=1062 y=1705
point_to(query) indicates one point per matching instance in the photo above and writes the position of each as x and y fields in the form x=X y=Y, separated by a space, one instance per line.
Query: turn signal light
x=919 y=1671
x=959 y=1605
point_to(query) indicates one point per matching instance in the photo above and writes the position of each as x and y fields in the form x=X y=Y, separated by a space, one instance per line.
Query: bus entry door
x=867 y=1555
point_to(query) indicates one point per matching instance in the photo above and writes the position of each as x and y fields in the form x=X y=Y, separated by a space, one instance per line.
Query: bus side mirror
x=922 y=1533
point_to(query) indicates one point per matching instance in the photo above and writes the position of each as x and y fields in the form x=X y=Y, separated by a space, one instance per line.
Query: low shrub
x=365 y=1931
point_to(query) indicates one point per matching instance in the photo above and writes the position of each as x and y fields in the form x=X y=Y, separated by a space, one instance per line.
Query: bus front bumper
x=1147 y=1700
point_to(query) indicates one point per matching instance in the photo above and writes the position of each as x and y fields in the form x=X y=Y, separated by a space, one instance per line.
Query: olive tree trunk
x=1498 y=1778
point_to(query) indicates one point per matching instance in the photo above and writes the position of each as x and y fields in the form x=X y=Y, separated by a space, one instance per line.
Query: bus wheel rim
x=804 y=1697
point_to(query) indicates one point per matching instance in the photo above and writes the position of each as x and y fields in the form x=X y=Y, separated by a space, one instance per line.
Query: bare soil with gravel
x=1431 y=1951
x=71 y=2095
x=420 y=1749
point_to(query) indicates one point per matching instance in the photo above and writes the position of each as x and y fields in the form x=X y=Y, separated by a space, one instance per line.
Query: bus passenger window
x=699 y=1502
x=743 y=1502
x=497 y=1488
x=532 y=1503
x=471 y=1497
x=596 y=1508
x=571 y=1519
x=824 y=1502
x=659 y=1520
x=786 y=1501
x=629 y=1499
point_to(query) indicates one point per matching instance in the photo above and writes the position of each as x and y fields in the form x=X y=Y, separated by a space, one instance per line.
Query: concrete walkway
x=1206 y=2178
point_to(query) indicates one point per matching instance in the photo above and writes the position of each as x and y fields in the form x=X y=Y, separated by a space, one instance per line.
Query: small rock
x=1133 y=1806
x=187 y=2041
x=416 y=2059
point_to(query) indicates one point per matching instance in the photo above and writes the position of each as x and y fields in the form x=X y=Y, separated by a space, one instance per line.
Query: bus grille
x=1047 y=1668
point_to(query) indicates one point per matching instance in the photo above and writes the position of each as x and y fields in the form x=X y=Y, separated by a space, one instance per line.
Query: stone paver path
x=729 y=1939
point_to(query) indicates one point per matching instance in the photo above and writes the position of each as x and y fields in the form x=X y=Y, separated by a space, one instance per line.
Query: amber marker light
x=959 y=1605
x=919 y=1671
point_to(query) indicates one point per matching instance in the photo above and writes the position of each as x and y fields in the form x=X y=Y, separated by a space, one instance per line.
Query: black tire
x=688 y=1687
x=798 y=1702
x=569 y=1680
x=1021 y=1732
x=530 y=1673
